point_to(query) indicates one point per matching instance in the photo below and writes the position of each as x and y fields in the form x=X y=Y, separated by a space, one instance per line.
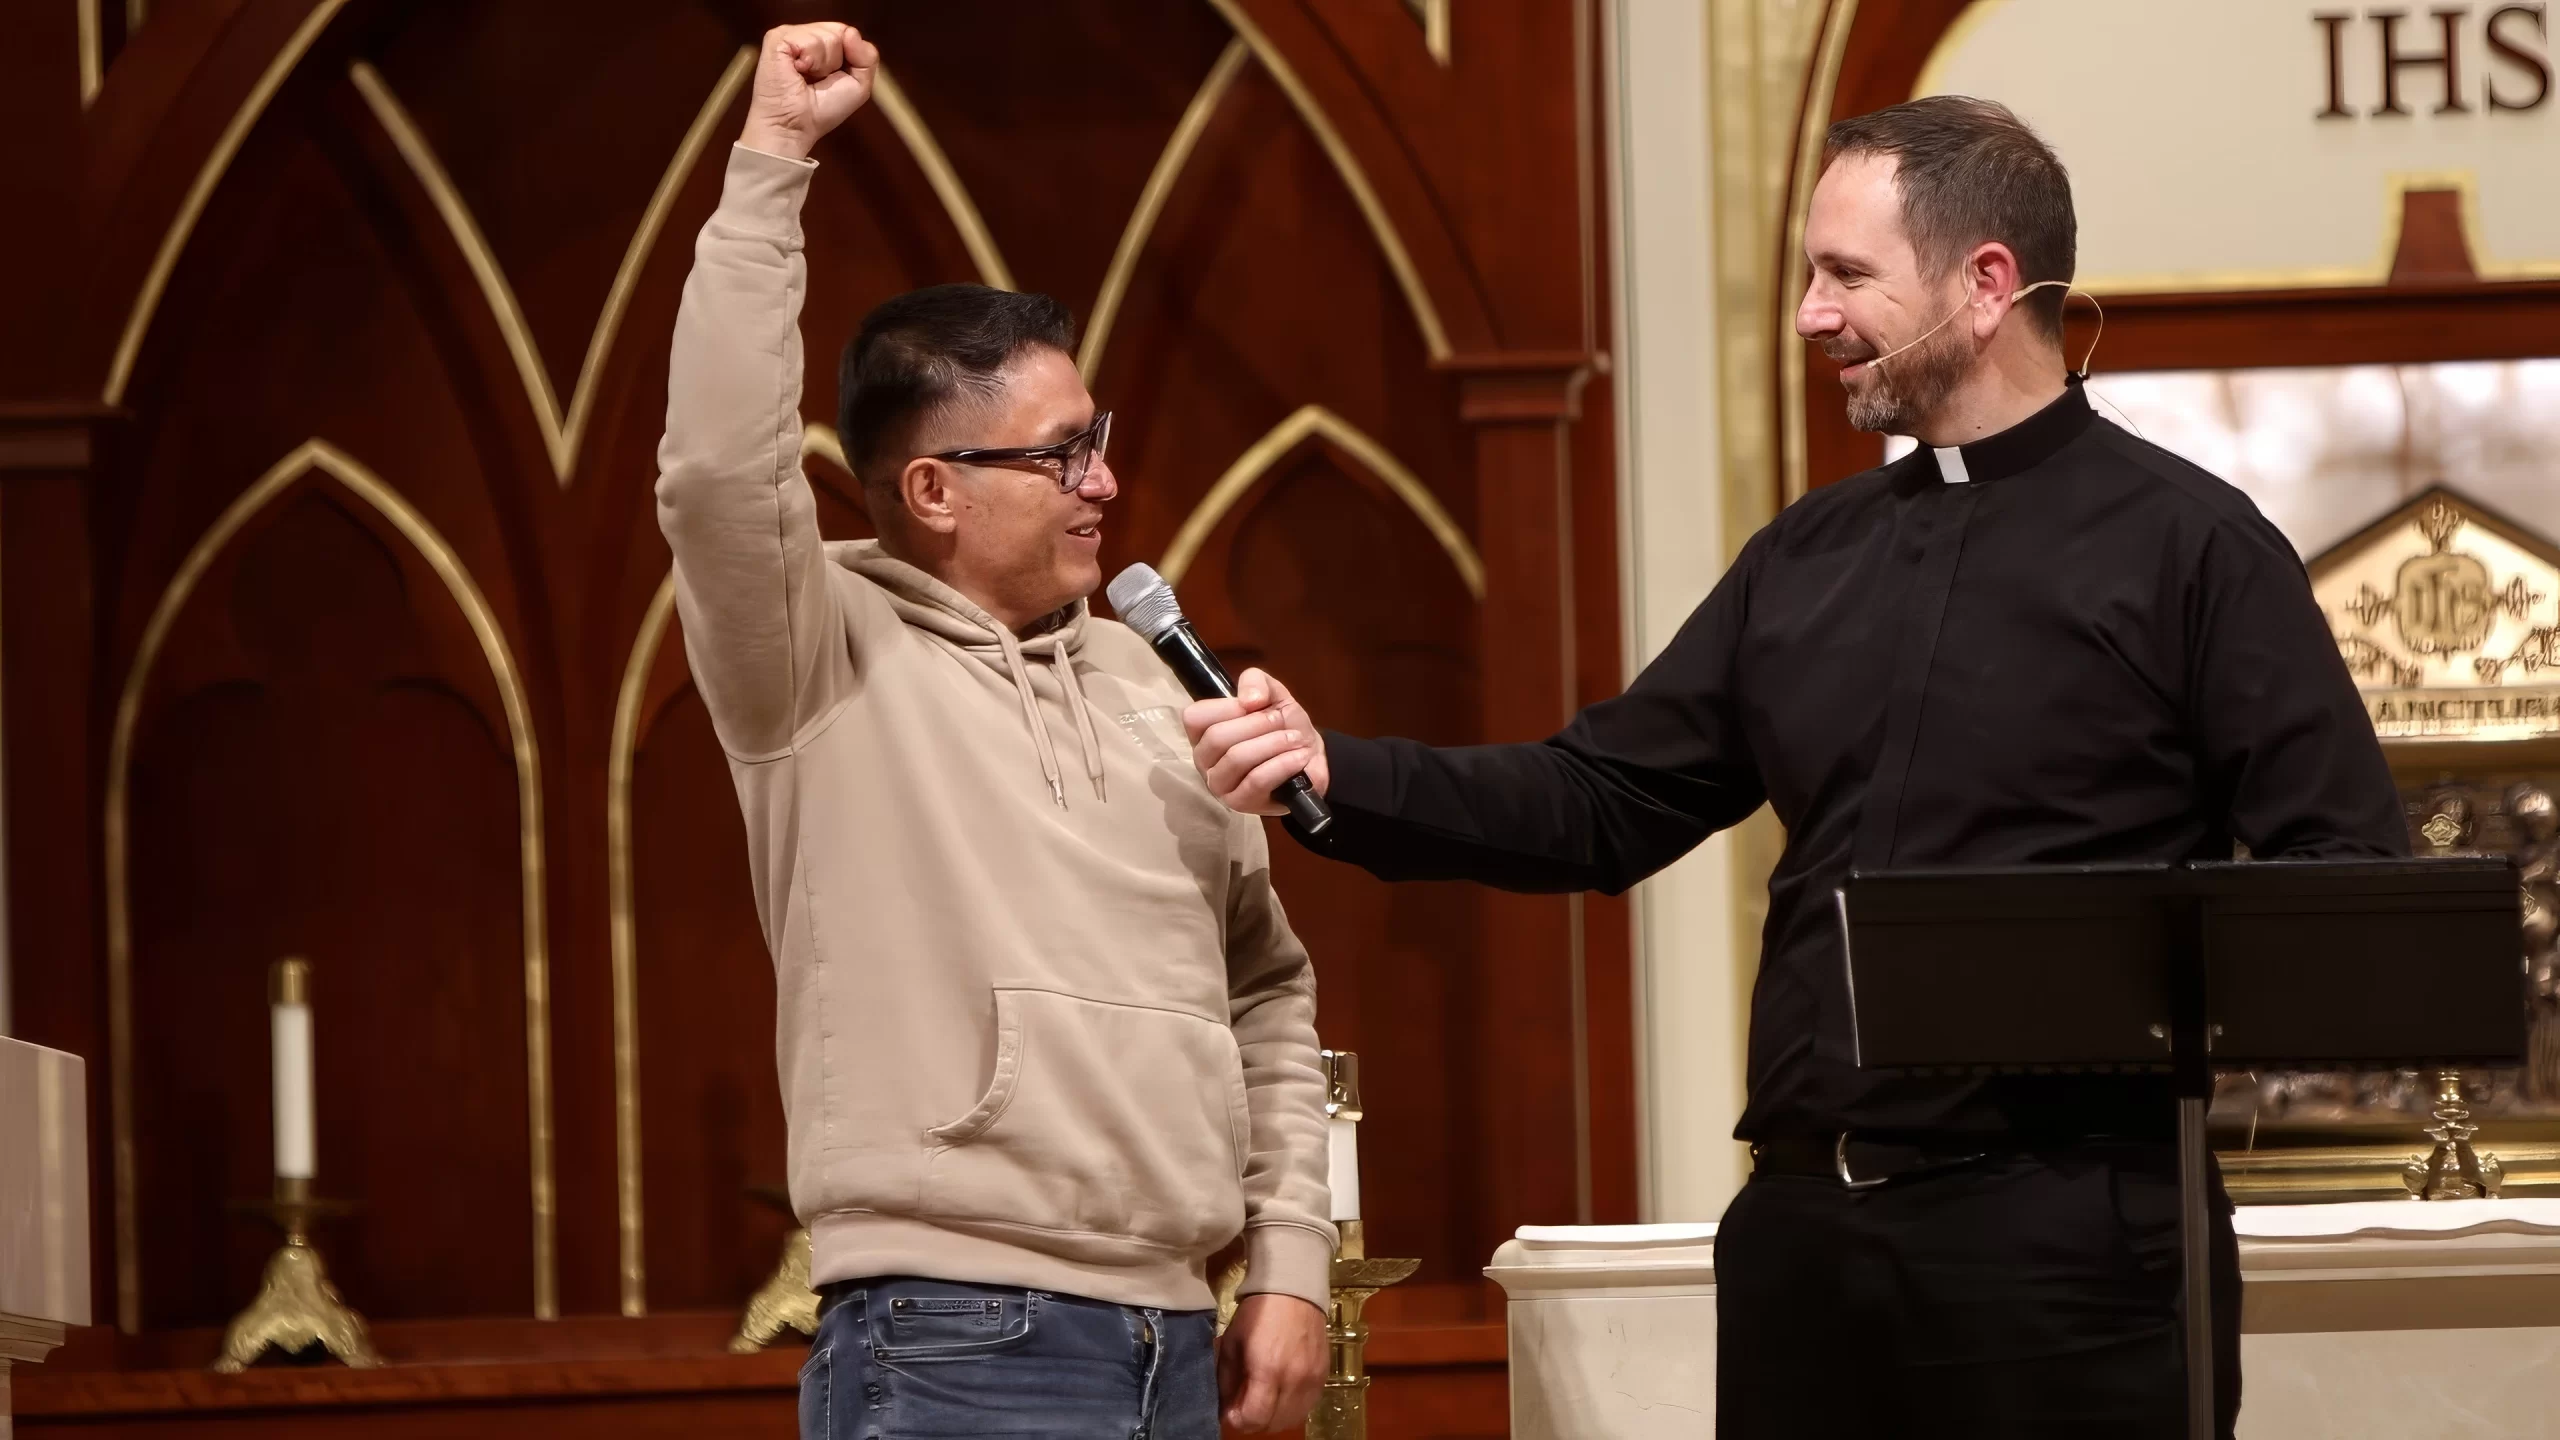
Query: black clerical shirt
x=2072 y=646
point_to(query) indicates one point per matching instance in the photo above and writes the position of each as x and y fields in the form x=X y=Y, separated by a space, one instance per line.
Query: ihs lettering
x=2515 y=73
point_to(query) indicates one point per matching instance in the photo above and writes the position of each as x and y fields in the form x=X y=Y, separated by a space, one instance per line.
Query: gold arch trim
x=903 y=117
x=1315 y=421
x=319 y=455
x=1433 y=16
x=562 y=431
x=626 y=942
x=173 y=243
x=644 y=238
x=1426 y=316
x=1814 y=122
x=93 y=72
x=1142 y=216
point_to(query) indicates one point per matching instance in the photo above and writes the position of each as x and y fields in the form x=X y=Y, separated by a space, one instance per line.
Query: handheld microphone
x=1146 y=605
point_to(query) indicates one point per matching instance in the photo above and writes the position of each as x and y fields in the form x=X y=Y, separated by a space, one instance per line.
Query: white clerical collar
x=1951 y=465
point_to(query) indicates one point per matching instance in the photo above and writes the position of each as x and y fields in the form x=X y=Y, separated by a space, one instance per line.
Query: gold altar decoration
x=2453 y=1170
x=2448 y=617
x=1342 y=1412
x=783 y=1303
x=296 y=1307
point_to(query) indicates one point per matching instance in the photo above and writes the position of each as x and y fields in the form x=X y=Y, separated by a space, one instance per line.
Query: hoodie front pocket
x=1101 y=1119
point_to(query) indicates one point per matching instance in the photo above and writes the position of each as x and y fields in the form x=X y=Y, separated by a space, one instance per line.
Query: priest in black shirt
x=2037 y=639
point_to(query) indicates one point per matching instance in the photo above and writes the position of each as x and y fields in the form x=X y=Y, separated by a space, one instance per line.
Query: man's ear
x=1991 y=284
x=924 y=490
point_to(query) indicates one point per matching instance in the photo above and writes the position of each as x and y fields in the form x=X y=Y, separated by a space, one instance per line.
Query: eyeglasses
x=1072 y=456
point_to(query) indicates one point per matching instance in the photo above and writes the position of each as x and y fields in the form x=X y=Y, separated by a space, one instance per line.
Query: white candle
x=1342 y=1147
x=290 y=1016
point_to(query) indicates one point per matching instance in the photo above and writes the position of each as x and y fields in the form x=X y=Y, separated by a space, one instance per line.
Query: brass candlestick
x=297 y=1308
x=1342 y=1413
x=2453 y=1170
x=785 y=1301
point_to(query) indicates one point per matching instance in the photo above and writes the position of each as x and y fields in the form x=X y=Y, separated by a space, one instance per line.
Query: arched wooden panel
x=710 y=1109
x=1212 y=348
x=323 y=768
x=289 y=315
x=1326 y=576
x=1052 y=192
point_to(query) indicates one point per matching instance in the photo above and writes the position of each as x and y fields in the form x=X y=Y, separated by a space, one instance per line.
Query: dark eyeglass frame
x=1075 y=454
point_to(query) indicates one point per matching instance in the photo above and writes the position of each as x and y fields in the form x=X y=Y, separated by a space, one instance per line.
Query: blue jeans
x=897 y=1357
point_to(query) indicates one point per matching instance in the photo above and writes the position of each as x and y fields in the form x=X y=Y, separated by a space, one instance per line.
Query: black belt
x=1859 y=1163
x=1862 y=1162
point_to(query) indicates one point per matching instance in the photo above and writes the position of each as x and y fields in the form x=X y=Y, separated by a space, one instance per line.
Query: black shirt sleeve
x=1632 y=784
x=2282 y=732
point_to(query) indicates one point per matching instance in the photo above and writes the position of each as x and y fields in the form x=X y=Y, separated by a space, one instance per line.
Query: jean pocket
x=923 y=1329
x=817 y=1375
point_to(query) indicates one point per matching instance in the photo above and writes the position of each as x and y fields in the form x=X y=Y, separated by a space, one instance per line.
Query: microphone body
x=1201 y=674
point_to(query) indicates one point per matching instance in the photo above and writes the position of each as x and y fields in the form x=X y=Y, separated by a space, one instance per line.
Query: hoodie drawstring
x=1084 y=723
x=1031 y=714
x=1074 y=695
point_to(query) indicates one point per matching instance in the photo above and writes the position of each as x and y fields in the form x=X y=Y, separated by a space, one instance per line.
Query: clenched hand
x=1271 y=1364
x=808 y=79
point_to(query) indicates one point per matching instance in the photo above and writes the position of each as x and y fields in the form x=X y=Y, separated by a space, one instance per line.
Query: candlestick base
x=297 y=1308
x=1342 y=1412
x=784 y=1302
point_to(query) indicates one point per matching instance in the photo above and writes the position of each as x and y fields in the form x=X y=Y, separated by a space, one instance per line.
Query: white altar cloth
x=2381 y=1320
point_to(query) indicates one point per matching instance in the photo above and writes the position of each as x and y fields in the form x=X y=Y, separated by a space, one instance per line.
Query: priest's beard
x=1909 y=385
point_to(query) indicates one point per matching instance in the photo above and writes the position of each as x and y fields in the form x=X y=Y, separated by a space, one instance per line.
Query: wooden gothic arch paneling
x=319 y=459
x=1325 y=240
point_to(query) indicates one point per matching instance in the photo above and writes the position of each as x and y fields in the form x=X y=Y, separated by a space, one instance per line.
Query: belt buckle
x=1840 y=1162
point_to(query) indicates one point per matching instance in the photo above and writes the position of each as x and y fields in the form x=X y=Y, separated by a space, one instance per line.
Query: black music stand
x=2160 y=969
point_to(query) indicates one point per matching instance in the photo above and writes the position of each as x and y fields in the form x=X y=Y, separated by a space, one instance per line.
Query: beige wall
x=1674 y=543
x=1702 y=107
x=2199 y=158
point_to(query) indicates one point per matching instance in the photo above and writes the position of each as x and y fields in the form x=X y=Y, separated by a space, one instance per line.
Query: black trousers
x=2028 y=1295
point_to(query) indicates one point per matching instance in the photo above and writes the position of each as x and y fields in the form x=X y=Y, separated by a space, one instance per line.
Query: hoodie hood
x=927 y=604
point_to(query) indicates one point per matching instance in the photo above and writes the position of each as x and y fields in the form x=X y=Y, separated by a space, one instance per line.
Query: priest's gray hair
x=1970 y=172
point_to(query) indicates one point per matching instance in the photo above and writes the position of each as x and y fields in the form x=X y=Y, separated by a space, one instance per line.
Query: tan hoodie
x=1041 y=1019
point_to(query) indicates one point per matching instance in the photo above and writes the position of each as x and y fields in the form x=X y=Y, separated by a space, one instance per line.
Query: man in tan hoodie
x=1046 y=1040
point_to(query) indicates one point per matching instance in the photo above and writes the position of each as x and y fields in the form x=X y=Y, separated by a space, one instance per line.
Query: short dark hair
x=1971 y=171
x=917 y=352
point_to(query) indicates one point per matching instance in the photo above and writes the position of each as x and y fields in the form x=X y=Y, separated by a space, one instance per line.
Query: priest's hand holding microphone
x=1274 y=759
x=1249 y=746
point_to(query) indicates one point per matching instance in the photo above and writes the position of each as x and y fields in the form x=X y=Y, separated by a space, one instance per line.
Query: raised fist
x=808 y=79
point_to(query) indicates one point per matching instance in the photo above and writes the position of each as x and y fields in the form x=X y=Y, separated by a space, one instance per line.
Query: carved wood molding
x=1520 y=387
x=53 y=438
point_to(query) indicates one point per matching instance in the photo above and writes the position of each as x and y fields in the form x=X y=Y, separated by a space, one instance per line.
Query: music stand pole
x=2195 y=1234
x=2191 y=1061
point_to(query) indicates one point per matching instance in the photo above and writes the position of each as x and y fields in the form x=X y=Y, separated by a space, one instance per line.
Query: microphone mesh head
x=1144 y=601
